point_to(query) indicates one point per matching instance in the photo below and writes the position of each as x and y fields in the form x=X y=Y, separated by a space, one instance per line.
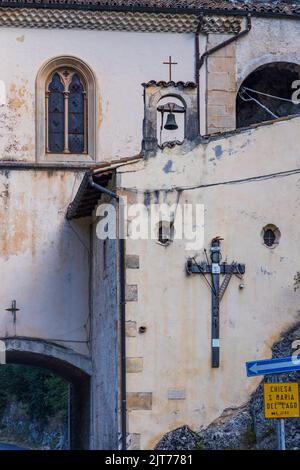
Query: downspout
x=200 y=60
x=121 y=240
x=197 y=69
x=226 y=43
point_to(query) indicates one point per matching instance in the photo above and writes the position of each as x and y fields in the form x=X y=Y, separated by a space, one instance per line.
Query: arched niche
x=176 y=106
x=154 y=92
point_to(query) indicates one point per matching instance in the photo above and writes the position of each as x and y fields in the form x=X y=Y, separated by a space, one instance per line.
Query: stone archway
x=64 y=362
x=257 y=99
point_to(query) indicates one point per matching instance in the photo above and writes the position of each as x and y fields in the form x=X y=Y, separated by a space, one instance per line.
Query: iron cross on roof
x=170 y=63
x=13 y=309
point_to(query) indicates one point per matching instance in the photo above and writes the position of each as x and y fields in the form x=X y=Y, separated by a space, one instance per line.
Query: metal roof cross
x=170 y=63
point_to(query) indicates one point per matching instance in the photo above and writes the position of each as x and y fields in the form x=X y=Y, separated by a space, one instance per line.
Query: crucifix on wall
x=215 y=269
x=170 y=63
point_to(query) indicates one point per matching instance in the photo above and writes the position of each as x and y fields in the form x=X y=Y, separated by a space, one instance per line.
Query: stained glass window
x=66 y=106
x=76 y=116
x=56 y=115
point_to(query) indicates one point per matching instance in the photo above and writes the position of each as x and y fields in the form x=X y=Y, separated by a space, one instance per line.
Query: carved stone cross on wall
x=215 y=269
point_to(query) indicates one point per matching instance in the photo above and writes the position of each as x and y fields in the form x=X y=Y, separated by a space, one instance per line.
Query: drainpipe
x=121 y=240
x=225 y=43
x=200 y=60
x=197 y=69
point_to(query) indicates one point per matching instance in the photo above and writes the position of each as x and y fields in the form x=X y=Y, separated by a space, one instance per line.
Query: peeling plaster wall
x=175 y=351
x=44 y=259
x=268 y=41
x=120 y=62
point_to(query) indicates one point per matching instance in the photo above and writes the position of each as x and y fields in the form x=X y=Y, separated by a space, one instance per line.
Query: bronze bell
x=171 y=124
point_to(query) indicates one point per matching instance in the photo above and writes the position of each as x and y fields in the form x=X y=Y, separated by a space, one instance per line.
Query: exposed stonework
x=131 y=328
x=131 y=293
x=134 y=364
x=221 y=90
x=139 y=401
x=132 y=261
x=133 y=441
x=180 y=439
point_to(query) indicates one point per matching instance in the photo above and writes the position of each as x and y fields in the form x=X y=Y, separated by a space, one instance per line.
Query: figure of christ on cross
x=215 y=269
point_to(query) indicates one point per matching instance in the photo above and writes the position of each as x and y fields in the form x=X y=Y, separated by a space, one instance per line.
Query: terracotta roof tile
x=273 y=7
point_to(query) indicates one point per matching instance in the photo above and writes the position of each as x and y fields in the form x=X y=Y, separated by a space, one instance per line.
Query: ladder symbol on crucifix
x=215 y=269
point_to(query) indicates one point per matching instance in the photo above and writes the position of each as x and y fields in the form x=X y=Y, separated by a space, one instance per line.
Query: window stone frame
x=41 y=119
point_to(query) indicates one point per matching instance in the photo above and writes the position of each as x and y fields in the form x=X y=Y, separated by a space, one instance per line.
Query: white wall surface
x=120 y=62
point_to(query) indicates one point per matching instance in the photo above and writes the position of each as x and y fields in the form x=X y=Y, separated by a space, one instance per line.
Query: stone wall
x=221 y=85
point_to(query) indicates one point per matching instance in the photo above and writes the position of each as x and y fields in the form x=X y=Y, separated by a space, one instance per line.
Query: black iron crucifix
x=13 y=309
x=215 y=269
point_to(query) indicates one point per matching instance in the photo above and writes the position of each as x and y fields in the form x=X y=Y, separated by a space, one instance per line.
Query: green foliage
x=44 y=393
x=249 y=437
x=200 y=445
x=268 y=432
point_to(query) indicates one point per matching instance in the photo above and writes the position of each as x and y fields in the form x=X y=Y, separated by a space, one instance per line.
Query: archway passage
x=275 y=80
x=34 y=408
x=70 y=366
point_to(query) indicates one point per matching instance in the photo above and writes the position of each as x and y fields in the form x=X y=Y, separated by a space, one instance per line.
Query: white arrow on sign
x=260 y=368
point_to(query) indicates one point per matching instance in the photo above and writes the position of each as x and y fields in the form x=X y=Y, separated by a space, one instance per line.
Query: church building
x=111 y=113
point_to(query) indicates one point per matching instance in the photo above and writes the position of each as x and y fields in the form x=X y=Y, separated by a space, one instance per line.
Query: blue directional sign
x=272 y=366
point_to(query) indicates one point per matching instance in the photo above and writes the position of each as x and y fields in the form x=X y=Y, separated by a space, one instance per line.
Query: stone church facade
x=85 y=94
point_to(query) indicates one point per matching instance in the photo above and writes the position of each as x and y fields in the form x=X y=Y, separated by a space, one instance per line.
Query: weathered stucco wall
x=174 y=353
x=120 y=62
x=226 y=69
x=268 y=41
x=105 y=343
x=44 y=258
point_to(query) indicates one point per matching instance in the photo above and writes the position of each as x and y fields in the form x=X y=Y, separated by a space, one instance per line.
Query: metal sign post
x=281 y=399
x=280 y=434
x=280 y=425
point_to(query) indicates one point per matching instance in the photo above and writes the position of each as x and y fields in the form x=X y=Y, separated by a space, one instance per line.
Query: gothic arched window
x=66 y=113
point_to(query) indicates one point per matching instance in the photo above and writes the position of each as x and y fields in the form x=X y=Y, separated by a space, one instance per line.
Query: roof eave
x=157 y=10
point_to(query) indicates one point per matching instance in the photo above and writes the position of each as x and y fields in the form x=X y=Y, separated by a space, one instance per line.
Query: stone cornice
x=116 y=21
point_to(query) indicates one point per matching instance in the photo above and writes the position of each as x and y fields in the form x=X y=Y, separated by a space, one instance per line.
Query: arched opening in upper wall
x=268 y=93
